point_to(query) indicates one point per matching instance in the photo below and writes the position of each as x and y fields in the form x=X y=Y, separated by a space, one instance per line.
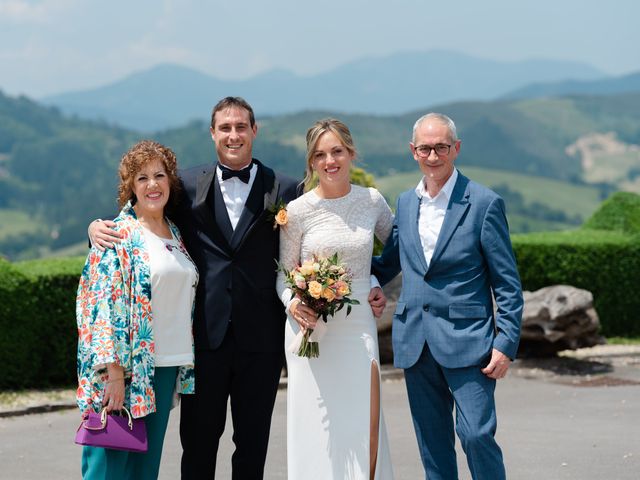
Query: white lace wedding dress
x=328 y=398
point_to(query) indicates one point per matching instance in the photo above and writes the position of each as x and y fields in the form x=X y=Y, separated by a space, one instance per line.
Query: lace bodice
x=345 y=225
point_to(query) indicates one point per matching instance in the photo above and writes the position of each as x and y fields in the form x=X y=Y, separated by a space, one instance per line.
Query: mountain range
x=607 y=86
x=170 y=95
x=59 y=171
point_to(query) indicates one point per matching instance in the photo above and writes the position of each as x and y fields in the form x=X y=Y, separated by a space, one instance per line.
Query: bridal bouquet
x=324 y=285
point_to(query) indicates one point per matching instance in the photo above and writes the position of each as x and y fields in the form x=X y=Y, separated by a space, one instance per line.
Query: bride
x=335 y=426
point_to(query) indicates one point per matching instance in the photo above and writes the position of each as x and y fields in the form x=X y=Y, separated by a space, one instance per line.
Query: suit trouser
x=106 y=464
x=250 y=380
x=433 y=391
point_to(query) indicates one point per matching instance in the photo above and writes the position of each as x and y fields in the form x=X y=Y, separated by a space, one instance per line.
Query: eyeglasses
x=425 y=150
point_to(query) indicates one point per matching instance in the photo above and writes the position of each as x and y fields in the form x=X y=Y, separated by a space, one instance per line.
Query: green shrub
x=38 y=336
x=19 y=352
x=620 y=212
x=55 y=284
x=607 y=263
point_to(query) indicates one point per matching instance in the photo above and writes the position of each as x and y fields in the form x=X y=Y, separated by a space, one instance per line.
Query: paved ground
x=569 y=418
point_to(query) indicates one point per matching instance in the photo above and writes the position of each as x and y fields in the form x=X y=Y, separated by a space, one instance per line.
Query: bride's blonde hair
x=319 y=128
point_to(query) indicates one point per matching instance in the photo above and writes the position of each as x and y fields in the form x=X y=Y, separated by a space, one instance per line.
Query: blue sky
x=51 y=46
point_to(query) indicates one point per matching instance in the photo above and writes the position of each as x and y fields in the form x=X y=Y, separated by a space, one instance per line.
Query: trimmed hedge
x=19 y=352
x=602 y=257
x=606 y=263
x=38 y=335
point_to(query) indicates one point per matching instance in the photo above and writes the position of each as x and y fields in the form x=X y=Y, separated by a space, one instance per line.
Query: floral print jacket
x=113 y=313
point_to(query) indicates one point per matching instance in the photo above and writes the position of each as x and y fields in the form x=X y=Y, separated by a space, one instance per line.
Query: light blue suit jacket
x=449 y=304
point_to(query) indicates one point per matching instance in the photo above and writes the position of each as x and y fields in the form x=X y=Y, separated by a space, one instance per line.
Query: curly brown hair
x=137 y=157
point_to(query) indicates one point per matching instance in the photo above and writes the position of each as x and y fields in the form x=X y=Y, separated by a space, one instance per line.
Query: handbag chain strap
x=103 y=420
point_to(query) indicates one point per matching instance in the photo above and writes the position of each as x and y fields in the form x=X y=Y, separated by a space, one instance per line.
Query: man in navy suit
x=451 y=241
x=225 y=220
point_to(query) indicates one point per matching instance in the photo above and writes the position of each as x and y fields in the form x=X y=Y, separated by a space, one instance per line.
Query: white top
x=432 y=212
x=235 y=193
x=316 y=225
x=173 y=286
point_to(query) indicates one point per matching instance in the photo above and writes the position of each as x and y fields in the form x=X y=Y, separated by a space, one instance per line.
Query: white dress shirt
x=432 y=212
x=235 y=193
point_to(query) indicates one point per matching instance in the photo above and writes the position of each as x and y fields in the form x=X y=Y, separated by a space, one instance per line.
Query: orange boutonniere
x=278 y=214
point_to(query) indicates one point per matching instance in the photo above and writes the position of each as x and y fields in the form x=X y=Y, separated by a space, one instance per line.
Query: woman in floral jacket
x=134 y=311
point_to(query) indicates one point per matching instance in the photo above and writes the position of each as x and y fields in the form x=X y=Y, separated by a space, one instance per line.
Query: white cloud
x=30 y=12
x=150 y=50
x=22 y=12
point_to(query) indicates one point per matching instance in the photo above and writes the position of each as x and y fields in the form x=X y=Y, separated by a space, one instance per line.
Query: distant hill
x=607 y=86
x=57 y=172
x=170 y=95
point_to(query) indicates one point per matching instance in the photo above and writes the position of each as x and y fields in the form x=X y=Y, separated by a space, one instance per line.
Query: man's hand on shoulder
x=498 y=365
x=102 y=234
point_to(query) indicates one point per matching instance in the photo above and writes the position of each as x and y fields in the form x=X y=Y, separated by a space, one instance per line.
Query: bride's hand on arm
x=304 y=315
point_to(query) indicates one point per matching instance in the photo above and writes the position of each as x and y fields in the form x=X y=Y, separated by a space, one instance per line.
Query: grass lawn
x=15 y=223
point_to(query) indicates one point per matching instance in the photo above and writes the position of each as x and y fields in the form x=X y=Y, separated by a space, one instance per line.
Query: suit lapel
x=205 y=196
x=414 y=215
x=456 y=209
x=202 y=191
x=271 y=189
x=221 y=213
x=261 y=189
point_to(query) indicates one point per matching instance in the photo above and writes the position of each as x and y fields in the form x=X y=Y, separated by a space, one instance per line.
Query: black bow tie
x=243 y=175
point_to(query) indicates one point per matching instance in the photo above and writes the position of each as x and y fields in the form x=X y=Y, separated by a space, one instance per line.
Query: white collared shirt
x=432 y=212
x=235 y=193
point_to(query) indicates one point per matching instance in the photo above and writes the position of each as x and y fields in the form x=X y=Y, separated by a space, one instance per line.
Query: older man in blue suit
x=451 y=241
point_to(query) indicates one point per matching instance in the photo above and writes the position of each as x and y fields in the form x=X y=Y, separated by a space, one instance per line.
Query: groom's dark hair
x=228 y=102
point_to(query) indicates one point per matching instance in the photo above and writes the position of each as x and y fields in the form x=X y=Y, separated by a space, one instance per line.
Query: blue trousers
x=433 y=390
x=107 y=464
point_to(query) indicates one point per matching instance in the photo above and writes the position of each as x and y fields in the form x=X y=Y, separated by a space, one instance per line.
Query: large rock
x=556 y=318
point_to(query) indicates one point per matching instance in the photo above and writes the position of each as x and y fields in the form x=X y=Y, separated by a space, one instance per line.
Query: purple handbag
x=113 y=431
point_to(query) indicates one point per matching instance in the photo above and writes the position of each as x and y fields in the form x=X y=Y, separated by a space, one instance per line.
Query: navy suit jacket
x=237 y=267
x=448 y=304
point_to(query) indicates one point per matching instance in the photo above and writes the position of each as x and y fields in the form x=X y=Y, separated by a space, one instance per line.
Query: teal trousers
x=107 y=464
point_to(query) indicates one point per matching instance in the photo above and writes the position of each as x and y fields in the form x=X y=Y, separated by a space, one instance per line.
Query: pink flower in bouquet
x=342 y=289
x=300 y=282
